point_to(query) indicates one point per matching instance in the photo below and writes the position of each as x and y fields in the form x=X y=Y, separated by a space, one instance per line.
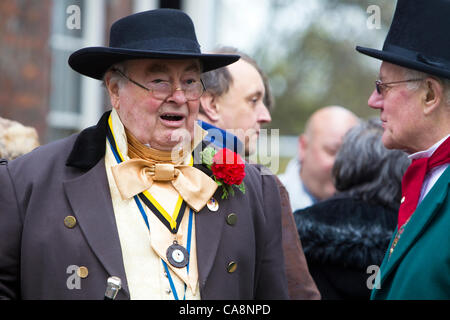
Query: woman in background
x=344 y=235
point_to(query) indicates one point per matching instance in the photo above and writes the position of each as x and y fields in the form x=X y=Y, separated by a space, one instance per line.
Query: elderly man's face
x=400 y=110
x=154 y=121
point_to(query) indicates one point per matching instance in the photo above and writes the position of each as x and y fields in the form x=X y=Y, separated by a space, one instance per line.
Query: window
x=75 y=100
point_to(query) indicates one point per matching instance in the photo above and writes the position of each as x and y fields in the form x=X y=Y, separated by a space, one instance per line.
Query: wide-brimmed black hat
x=418 y=37
x=154 y=34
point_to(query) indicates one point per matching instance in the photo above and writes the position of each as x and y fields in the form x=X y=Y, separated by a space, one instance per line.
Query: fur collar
x=89 y=148
x=346 y=232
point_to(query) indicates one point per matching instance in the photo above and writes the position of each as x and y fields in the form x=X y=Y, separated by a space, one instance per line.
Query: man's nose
x=264 y=114
x=375 y=100
x=178 y=96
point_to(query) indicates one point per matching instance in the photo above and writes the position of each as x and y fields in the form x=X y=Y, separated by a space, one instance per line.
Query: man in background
x=238 y=100
x=308 y=177
x=234 y=101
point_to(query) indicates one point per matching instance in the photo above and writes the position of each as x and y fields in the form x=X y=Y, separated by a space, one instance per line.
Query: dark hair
x=365 y=169
x=218 y=81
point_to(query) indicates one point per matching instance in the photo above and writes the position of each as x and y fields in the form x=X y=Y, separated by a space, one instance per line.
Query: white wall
x=143 y=5
x=203 y=13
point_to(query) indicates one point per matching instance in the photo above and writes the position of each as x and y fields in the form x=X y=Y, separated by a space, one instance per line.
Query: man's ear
x=302 y=145
x=113 y=90
x=210 y=107
x=434 y=93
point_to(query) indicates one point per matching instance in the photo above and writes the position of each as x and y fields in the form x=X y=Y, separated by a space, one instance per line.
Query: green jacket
x=419 y=267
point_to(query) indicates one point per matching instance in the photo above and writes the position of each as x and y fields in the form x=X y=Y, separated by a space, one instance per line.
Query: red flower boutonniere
x=227 y=167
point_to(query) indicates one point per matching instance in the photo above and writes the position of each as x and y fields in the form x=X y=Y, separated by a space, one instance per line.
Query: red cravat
x=413 y=179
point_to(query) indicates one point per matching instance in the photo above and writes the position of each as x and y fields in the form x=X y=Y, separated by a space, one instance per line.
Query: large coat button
x=232 y=219
x=70 y=221
x=83 y=272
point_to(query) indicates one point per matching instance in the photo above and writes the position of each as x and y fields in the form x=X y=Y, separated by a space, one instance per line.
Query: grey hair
x=365 y=169
x=115 y=77
x=218 y=81
x=414 y=74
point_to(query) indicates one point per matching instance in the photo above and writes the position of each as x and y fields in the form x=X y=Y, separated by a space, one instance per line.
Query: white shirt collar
x=429 y=152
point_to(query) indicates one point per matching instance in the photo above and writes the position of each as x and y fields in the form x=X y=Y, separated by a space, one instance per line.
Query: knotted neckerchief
x=147 y=165
x=413 y=179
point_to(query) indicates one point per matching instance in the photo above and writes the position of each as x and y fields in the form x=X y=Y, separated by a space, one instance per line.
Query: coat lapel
x=418 y=223
x=92 y=205
x=91 y=202
x=208 y=230
x=209 y=225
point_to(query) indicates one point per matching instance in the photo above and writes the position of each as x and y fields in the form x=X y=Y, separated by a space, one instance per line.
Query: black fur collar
x=346 y=232
x=89 y=148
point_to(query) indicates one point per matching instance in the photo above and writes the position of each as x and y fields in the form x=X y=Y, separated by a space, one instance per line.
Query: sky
x=245 y=24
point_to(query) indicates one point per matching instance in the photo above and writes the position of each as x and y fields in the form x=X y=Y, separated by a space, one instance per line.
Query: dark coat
x=68 y=177
x=301 y=285
x=341 y=238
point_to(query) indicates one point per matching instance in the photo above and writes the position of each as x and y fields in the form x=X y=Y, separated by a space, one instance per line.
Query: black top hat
x=154 y=34
x=418 y=37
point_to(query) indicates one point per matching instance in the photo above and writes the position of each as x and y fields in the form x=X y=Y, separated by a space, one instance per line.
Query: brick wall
x=25 y=61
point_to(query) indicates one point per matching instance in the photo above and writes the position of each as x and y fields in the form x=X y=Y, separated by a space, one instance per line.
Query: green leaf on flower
x=230 y=189
x=225 y=192
x=219 y=182
x=242 y=187
x=207 y=156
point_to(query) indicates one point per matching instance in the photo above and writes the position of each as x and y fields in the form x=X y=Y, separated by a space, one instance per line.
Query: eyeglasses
x=163 y=89
x=381 y=87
